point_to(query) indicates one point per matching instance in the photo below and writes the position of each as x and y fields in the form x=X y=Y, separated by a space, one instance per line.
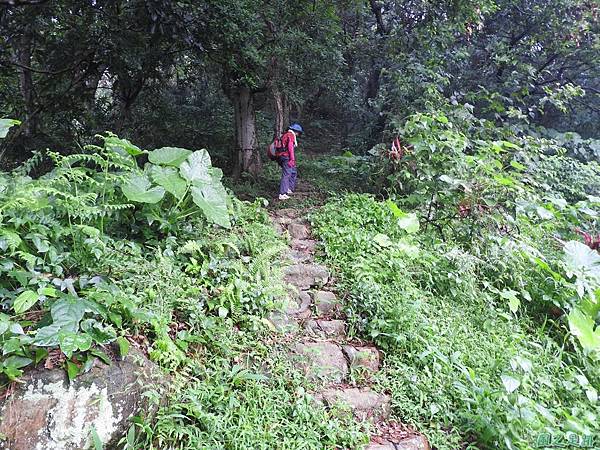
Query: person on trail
x=287 y=160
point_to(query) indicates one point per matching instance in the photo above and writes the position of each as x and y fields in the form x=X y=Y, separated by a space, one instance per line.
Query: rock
x=299 y=257
x=304 y=245
x=417 y=442
x=283 y=323
x=287 y=213
x=327 y=328
x=381 y=446
x=298 y=230
x=47 y=413
x=325 y=302
x=304 y=276
x=365 y=357
x=299 y=305
x=363 y=403
x=322 y=360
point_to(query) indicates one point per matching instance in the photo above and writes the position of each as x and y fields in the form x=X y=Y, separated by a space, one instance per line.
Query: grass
x=459 y=365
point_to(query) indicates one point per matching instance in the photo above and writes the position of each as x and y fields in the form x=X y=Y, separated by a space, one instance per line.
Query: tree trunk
x=246 y=157
x=282 y=112
x=23 y=57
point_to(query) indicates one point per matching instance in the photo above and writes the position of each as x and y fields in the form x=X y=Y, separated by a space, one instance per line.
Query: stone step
x=298 y=305
x=417 y=442
x=305 y=276
x=326 y=303
x=298 y=230
x=322 y=361
x=362 y=357
x=283 y=323
x=334 y=329
x=364 y=404
x=304 y=245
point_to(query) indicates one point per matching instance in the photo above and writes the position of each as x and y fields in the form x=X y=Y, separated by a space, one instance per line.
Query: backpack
x=273 y=148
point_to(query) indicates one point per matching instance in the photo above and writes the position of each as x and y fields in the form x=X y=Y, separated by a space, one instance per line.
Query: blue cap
x=296 y=127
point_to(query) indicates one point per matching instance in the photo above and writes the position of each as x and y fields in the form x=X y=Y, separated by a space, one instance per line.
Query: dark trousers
x=288 y=176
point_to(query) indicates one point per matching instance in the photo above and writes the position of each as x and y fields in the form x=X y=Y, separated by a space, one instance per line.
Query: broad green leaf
x=584 y=327
x=121 y=146
x=510 y=384
x=138 y=189
x=211 y=198
x=7 y=124
x=100 y=333
x=383 y=240
x=504 y=181
x=16 y=362
x=169 y=178
x=169 y=156
x=581 y=260
x=123 y=346
x=408 y=222
x=67 y=312
x=195 y=168
x=72 y=370
x=513 y=300
x=24 y=301
x=517 y=165
x=47 y=336
x=71 y=342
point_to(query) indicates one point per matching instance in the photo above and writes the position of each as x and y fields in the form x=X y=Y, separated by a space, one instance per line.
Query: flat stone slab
x=322 y=360
x=326 y=328
x=298 y=230
x=326 y=302
x=418 y=442
x=362 y=357
x=299 y=257
x=364 y=404
x=304 y=245
x=283 y=322
x=305 y=276
x=298 y=305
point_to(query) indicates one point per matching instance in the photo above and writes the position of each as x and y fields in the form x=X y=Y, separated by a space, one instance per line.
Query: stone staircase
x=323 y=351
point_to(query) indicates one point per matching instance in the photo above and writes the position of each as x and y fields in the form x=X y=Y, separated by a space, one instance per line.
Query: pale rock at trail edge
x=418 y=442
x=298 y=305
x=298 y=230
x=305 y=276
x=364 y=404
x=362 y=357
x=283 y=322
x=326 y=302
x=304 y=245
x=322 y=360
x=47 y=413
x=326 y=328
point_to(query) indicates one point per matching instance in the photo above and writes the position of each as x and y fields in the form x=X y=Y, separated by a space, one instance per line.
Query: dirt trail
x=314 y=314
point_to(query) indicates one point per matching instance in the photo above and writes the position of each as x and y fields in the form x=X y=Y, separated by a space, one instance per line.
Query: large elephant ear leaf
x=169 y=156
x=196 y=167
x=211 y=198
x=168 y=178
x=122 y=146
x=7 y=124
x=138 y=189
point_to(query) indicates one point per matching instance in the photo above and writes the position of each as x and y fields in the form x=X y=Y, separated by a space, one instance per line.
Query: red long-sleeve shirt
x=288 y=141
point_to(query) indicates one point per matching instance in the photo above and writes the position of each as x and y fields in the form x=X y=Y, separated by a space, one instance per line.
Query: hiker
x=287 y=160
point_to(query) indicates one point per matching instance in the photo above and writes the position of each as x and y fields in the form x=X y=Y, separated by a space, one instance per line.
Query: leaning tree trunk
x=282 y=111
x=246 y=157
x=23 y=57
